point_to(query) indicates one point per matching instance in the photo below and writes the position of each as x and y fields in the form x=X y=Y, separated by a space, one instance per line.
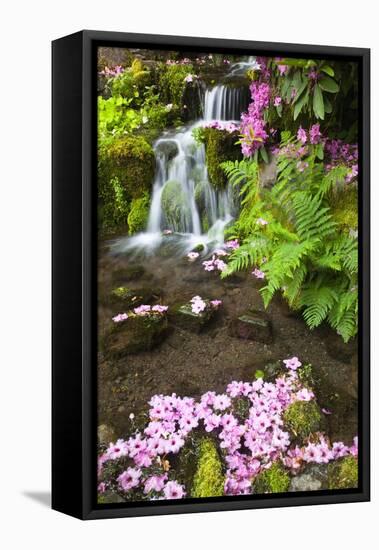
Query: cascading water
x=181 y=177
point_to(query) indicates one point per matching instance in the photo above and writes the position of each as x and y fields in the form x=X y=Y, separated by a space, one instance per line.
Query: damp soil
x=190 y=364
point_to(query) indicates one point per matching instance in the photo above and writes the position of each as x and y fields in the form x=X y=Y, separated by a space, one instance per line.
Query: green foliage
x=220 y=146
x=172 y=83
x=209 y=478
x=272 y=480
x=113 y=205
x=116 y=118
x=131 y=159
x=306 y=250
x=343 y=474
x=139 y=211
x=302 y=418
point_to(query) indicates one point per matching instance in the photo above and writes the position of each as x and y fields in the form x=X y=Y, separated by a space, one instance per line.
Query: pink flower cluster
x=314 y=135
x=249 y=445
x=342 y=153
x=252 y=123
x=148 y=310
x=198 y=305
x=225 y=126
x=233 y=244
x=110 y=72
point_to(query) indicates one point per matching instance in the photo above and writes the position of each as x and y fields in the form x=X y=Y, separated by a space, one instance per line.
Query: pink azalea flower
x=315 y=134
x=233 y=244
x=159 y=309
x=221 y=402
x=192 y=256
x=142 y=310
x=119 y=318
x=304 y=395
x=173 y=490
x=292 y=363
x=101 y=488
x=277 y=101
x=129 y=479
x=302 y=135
x=216 y=303
x=154 y=483
x=258 y=273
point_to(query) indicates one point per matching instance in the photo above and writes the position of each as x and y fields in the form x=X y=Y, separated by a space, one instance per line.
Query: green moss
x=273 y=480
x=344 y=206
x=113 y=205
x=175 y=205
x=139 y=212
x=209 y=478
x=343 y=474
x=172 y=83
x=219 y=146
x=302 y=418
x=131 y=159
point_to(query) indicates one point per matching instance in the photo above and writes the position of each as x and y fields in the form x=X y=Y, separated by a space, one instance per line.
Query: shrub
x=209 y=479
x=172 y=83
x=113 y=205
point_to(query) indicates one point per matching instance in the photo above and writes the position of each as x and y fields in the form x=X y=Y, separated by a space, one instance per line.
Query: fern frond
x=318 y=301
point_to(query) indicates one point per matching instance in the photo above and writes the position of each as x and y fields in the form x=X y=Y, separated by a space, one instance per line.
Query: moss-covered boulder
x=302 y=418
x=175 y=205
x=168 y=148
x=139 y=212
x=343 y=473
x=209 y=478
x=124 y=298
x=137 y=333
x=220 y=146
x=272 y=480
x=131 y=159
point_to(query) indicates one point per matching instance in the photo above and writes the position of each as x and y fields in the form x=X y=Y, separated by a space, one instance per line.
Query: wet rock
x=313 y=478
x=130 y=273
x=183 y=317
x=127 y=298
x=168 y=148
x=105 y=434
x=252 y=325
x=137 y=333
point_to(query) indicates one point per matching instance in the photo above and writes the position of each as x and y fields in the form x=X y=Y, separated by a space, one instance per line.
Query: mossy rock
x=175 y=205
x=302 y=418
x=272 y=480
x=220 y=146
x=139 y=212
x=209 y=478
x=137 y=333
x=167 y=148
x=126 y=298
x=198 y=248
x=273 y=370
x=131 y=159
x=343 y=473
x=344 y=206
x=183 y=317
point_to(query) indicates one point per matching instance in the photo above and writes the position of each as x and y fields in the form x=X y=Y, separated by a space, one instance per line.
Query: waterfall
x=181 y=179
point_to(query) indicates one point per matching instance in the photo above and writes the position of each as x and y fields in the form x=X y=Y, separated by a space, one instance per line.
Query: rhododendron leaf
x=328 y=84
x=264 y=155
x=327 y=105
x=319 y=151
x=279 y=109
x=328 y=70
x=300 y=104
x=300 y=90
x=318 y=103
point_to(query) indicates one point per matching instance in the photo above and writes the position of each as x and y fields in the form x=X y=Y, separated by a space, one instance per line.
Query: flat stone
x=313 y=478
x=252 y=325
x=183 y=317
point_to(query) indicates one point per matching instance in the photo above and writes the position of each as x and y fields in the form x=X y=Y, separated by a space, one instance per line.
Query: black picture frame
x=74 y=275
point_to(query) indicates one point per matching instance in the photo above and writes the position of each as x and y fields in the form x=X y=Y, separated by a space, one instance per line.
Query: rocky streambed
x=189 y=356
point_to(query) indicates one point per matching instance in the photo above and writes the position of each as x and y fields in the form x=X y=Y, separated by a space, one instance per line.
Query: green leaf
x=327 y=105
x=264 y=155
x=318 y=103
x=327 y=69
x=300 y=89
x=328 y=85
x=319 y=151
x=279 y=110
x=300 y=104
